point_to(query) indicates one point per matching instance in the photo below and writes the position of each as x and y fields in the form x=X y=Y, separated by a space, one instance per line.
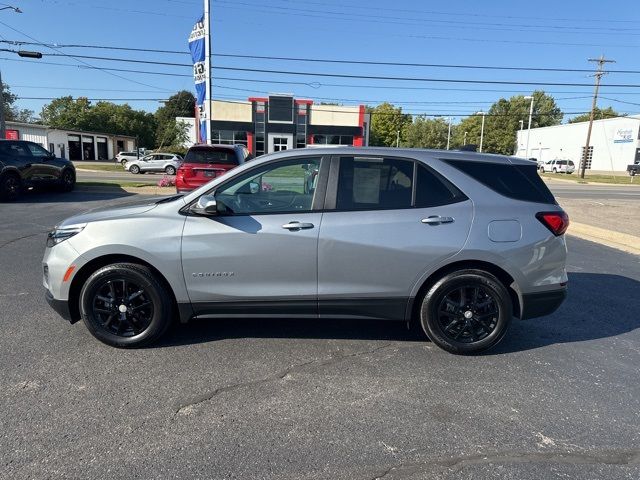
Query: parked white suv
x=156 y=162
x=123 y=157
x=558 y=166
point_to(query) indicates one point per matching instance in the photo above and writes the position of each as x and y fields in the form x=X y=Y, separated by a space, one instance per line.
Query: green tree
x=502 y=121
x=599 y=114
x=11 y=110
x=386 y=122
x=426 y=133
x=182 y=104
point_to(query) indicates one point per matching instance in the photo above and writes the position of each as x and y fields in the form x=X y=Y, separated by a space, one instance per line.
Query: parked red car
x=203 y=163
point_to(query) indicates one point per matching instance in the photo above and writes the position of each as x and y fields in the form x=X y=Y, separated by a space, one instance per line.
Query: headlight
x=60 y=234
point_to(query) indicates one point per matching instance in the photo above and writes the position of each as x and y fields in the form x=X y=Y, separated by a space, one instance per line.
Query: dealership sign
x=12 y=135
x=197 y=48
x=623 y=135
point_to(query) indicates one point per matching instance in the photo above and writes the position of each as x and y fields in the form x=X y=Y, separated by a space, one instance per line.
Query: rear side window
x=433 y=190
x=211 y=155
x=520 y=182
x=374 y=183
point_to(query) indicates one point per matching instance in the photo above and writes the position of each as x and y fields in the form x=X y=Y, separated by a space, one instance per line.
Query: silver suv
x=458 y=242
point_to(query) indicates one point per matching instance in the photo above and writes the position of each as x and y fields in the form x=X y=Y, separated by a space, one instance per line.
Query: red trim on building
x=358 y=140
x=310 y=140
x=300 y=102
x=250 y=142
x=258 y=99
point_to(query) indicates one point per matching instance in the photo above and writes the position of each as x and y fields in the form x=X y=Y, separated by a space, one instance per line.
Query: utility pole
x=598 y=75
x=3 y=125
x=530 y=97
x=207 y=67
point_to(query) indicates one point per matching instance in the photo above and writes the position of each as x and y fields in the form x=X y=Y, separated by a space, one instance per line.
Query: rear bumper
x=60 y=306
x=542 y=303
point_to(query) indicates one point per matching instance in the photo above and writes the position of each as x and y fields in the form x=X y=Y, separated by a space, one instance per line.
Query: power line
x=345 y=75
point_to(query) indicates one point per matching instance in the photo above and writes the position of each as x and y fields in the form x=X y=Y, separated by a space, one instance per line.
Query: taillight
x=557 y=222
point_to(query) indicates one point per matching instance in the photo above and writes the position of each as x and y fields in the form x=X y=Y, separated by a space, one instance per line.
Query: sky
x=546 y=34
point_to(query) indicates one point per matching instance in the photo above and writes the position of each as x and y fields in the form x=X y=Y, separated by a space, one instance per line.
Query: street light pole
x=449 y=135
x=3 y=125
x=530 y=97
x=481 y=130
x=464 y=142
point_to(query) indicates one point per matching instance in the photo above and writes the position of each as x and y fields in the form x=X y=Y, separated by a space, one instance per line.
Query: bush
x=167 y=181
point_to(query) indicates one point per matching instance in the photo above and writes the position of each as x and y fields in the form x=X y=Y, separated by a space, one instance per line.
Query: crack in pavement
x=456 y=464
x=9 y=242
x=187 y=408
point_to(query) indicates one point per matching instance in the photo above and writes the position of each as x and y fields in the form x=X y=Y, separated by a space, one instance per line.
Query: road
x=147 y=178
x=286 y=399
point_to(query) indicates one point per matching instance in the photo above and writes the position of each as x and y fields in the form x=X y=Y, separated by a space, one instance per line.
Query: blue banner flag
x=197 y=48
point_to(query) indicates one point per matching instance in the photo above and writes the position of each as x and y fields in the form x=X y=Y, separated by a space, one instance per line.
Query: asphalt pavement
x=287 y=399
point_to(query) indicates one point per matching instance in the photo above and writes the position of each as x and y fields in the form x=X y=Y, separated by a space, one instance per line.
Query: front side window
x=374 y=183
x=37 y=150
x=282 y=187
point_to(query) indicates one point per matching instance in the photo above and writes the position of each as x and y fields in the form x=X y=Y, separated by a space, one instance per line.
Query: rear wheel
x=125 y=305
x=632 y=173
x=466 y=312
x=135 y=169
x=10 y=186
x=170 y=170
x=555 y=170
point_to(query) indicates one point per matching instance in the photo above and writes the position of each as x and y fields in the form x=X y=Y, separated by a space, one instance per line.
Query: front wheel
x=125 y=305
x=632 y=173
x=170 y=170
x=555 y=170
x=135 y=169
x=67 y=180
x=466 y=312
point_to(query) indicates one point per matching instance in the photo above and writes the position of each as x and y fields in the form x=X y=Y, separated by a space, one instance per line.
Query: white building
x=615 y=143
x=72 y=144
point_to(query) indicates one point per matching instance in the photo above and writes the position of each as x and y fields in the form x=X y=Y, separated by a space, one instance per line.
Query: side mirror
x=206 y=205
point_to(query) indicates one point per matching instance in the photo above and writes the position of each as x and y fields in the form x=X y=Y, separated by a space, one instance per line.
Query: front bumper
x=542 y=303
x=60 y=306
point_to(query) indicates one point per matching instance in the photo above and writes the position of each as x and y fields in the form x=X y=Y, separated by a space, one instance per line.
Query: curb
x=585 y=183
x=620 y=241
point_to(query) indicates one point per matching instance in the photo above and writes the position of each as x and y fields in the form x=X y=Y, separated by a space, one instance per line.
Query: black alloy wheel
x=125 y=305
x=10 y=187
x=67 y=180
x=466 y=312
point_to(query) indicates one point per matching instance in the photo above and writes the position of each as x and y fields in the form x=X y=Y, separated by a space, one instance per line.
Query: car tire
x=135 y=169
x=123 y=162
x=67 y=180
x=632 y=173
x=466 y=312
x=170 y=170
x=133 y=288
x=10 y=186
x=555 y=170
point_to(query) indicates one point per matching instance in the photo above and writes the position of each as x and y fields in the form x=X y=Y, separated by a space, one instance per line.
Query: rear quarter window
x=210 y=155
x=520 y=182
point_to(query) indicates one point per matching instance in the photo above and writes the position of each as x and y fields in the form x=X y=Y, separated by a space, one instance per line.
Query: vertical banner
x=197 y=48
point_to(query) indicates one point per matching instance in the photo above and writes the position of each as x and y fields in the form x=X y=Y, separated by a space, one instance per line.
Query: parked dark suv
x=27 y=164
x=203 y=163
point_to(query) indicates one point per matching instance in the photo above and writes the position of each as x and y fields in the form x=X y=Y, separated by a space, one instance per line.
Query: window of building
x=374 y=183
x=229 y=137
x=589 y=157
x=260 y=128
x=333 y=139
x=301 y=126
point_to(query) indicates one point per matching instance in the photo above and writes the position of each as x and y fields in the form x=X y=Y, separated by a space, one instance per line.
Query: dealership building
x=615 y=143
x=71 y=144
x=281 y=122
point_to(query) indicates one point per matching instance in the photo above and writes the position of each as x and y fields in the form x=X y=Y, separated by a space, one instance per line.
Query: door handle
x=437 y=220
x=297 y=226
